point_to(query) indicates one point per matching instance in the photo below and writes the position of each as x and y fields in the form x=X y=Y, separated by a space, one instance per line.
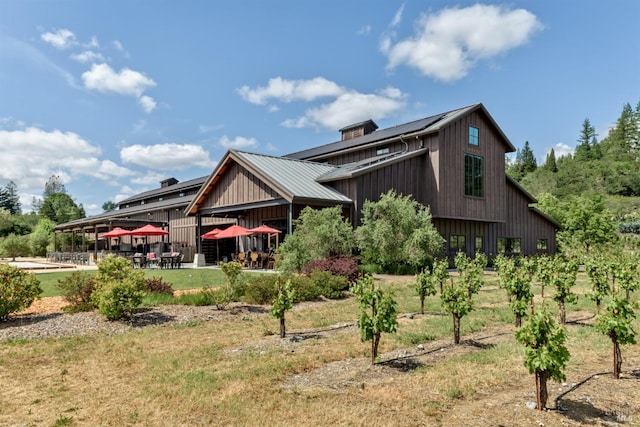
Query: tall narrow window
x=473 y=136
x=457 y=243
x=479 y=244
x=473 y=176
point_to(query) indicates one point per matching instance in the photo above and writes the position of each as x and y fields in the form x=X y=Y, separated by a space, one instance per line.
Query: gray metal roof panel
x=295 y=176
x=417 y=125
x=197 y=182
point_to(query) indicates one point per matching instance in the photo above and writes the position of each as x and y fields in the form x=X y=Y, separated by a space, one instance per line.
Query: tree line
x=23 y=234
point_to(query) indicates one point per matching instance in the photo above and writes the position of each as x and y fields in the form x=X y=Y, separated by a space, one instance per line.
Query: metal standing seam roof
x=296 y=177
x=379 y=135
x=350 y=170
x=196 y=182
x=175 y=202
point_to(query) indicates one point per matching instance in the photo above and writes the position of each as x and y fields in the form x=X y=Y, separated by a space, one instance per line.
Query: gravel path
x=59 y=324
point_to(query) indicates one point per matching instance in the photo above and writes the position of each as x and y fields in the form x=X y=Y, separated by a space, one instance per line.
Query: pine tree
x=550 y=162
x=586 y=139
x=9 y=198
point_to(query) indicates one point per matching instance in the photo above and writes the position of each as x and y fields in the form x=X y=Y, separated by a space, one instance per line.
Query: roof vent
x=358 y=129
x=168 y=182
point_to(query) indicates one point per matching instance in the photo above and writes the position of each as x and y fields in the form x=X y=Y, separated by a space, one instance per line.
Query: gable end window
x=473 y=175
x=474 y=138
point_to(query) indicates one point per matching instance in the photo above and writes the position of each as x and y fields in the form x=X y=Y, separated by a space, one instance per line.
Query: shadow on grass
x=28 y=319
x=148 y=317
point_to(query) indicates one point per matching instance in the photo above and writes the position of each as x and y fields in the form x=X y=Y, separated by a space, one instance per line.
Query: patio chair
x=152 y=260
x=242 y=259
x=254 y=259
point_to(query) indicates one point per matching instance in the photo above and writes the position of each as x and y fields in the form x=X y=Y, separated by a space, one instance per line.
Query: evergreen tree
x=524 y=164
x=587 y=137
x=550 y=162
x=9 y=198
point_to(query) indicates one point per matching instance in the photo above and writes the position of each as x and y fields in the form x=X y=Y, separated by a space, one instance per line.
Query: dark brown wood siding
x=238 y=186
x=453 y=145
x=525 y=223
x=407 y=177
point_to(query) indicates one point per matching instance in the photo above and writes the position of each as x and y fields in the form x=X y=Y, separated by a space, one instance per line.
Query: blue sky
x=115 y=96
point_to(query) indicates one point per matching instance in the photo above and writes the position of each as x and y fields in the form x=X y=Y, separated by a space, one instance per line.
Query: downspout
x=290 y=219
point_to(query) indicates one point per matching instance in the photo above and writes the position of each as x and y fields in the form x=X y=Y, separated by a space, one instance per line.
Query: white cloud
x=561 y=149
x=447 y=44
x=350 y=108
x=61 y=39
x=397 y=18
x=31 y=155
x=103 y=78
x=118 y=46
x=148 y=179
x=148 y=104
x=291 y=90
x=169 y=156
x=239 y=142
x=87 y=56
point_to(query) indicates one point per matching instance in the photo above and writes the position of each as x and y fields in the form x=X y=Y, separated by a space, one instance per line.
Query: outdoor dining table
x=169 y=260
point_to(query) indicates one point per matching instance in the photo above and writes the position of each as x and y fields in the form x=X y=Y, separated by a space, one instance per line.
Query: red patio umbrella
x=116 y=232
x=234 y=231
x=148 y=230
x=265 y=229
x=211 y=234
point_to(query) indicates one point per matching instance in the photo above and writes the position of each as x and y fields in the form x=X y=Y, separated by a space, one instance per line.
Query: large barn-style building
x=453 y=162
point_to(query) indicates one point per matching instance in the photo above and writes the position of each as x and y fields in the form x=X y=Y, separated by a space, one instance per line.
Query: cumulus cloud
x=170 y=156
x=31 y=155
x=61 y=39
x=349 y=108
x=103 y=78
x=87 y=56
x=449 y=43
x=239 y=142
x=561 y=149
x=290 y=90
x=148 y=103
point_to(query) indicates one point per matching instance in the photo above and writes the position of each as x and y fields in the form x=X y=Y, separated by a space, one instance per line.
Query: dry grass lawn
x=235 y=371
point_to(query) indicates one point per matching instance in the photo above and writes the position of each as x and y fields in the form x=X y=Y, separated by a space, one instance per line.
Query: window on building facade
x=509 y=245
x=541 y=245
x=381 y=151
x=474 y=138
x=457 y=243
x=473 y=175
x=479 y=244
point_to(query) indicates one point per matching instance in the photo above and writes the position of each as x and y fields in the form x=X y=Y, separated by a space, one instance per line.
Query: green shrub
x=261 y=289
x=76 y=290
x=116 y=300
x=17 y=290
x=120 y=288
x=330 y=285
x=305 y=288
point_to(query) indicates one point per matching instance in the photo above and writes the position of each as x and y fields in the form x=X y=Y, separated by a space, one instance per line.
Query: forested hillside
x=601 y=175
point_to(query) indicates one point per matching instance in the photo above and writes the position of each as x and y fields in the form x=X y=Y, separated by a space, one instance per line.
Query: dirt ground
x=590 y=396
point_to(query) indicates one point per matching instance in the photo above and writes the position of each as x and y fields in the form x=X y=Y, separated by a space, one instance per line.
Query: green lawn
x=179 y=279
